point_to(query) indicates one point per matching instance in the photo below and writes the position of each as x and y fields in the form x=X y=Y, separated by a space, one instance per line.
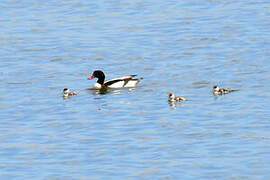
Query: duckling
x=221 y=91
x=67 y=93
x=172 y=98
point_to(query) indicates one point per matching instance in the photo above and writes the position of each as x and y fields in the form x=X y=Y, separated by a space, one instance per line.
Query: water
x=180 y=46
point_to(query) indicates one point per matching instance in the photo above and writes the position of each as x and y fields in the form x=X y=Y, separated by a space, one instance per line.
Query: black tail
x=137 y=79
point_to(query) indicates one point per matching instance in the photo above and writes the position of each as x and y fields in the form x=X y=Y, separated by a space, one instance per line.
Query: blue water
x=180 y=46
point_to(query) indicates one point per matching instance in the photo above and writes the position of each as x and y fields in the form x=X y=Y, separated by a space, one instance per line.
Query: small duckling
x=172 y=98
x=67 y=93
x=221 y=91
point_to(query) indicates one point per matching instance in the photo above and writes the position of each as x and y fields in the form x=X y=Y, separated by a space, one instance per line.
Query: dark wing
x=108 y=83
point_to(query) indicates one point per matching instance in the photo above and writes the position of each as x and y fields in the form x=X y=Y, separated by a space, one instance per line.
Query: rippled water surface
x=180 y=46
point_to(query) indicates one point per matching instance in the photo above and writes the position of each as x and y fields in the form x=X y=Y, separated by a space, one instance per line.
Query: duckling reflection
x=175 y=105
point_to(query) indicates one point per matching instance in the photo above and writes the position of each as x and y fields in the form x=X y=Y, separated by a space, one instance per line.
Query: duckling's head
x=216 y=88
x=65 y=91
x=171 y=96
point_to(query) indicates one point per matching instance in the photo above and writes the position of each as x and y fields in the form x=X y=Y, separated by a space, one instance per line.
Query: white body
x=97 y=86
x=120 y=84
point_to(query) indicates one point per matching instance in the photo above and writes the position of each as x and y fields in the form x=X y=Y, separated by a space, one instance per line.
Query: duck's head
x=97 y=74
x=216 y=88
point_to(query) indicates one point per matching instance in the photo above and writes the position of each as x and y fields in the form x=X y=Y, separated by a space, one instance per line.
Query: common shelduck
x=221 y=91
x=124 y=82
x=67 y=93
x=172 y=98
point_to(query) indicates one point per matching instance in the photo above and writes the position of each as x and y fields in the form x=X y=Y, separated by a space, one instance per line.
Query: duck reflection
x=103 y=91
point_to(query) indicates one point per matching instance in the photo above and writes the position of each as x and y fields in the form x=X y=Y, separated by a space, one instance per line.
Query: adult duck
x=123 y=82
